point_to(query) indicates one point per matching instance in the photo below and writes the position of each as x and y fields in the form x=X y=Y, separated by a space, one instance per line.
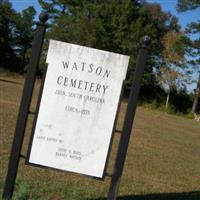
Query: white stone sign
x=78 y=108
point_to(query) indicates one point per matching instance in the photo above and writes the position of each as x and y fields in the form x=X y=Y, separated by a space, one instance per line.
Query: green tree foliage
x=7 y=55
x=194 y=44
x=111 y=25
x=16 y=36
x=184 y=5
x=23 y=35
x=180 y=101
x=194 y=29
x=171 y=74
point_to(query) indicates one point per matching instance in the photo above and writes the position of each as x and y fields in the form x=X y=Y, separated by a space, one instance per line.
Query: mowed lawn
x=163 y=160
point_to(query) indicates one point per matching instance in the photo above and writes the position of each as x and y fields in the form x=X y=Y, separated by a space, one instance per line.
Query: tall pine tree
x=8 y=57
x=16 y=36
x=194 y=29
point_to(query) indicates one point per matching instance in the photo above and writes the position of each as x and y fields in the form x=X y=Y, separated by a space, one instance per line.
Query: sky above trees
x=167 y=5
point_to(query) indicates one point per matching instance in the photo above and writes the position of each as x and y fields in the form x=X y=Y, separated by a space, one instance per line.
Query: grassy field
x=163 y=160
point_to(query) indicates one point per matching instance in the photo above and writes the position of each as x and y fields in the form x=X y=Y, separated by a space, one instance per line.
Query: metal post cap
x=43 y=17
x=146 y=40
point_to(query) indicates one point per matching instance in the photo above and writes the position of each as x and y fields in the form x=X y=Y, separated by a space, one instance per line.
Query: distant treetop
x=184 y=5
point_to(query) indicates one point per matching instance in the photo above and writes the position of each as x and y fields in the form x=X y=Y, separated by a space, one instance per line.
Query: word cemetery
x=84 y=84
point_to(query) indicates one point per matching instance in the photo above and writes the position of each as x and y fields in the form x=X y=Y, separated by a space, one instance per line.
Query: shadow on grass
x=165 y=196
x=8 y=81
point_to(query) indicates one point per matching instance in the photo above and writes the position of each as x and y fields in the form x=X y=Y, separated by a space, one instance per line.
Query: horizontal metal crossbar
x=22 y=156
x=31 y=112
x=118 y=131
x=108 y=174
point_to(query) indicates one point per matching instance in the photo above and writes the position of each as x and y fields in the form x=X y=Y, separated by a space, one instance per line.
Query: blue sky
x=167 y=5
x=184 y=18
x=22 y=4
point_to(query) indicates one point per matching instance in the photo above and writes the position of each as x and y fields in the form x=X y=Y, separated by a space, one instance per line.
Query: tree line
x=16 y=36
x=118 y=26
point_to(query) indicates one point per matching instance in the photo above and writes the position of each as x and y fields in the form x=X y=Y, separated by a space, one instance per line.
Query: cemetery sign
x=79 y=102
x=77 y=110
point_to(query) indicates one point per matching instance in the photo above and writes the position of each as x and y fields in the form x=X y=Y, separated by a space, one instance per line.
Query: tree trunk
x=167 y=100
x=196 y=96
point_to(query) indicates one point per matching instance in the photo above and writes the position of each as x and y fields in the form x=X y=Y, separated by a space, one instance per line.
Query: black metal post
x=128 y=123
x=114 y=129
x=24 y=108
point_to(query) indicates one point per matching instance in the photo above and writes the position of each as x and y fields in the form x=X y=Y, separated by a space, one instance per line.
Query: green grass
x=163 y=160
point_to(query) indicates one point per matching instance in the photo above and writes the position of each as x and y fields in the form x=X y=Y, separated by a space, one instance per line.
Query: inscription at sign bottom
x=77 y=110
